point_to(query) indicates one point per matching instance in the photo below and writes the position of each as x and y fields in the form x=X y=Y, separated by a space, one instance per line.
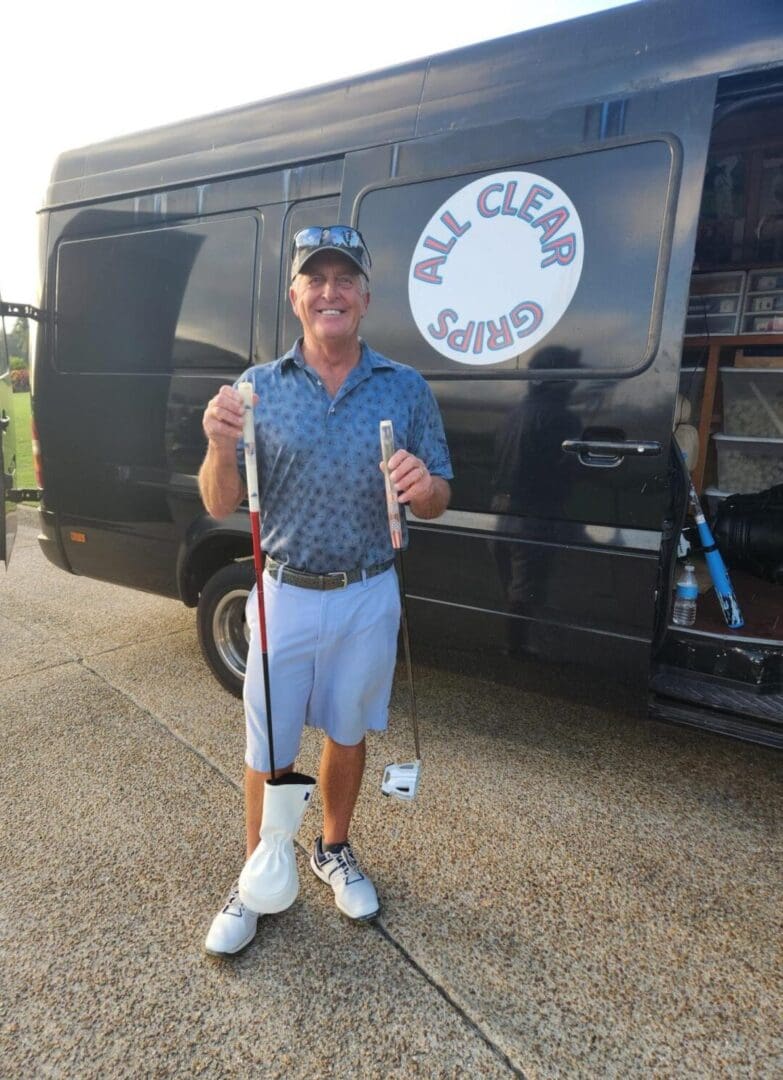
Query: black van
x=577 y=235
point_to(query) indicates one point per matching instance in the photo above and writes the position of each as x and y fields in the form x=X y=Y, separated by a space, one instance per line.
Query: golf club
x=251 y=471
x=269 y=881
x=400 y=780
x=721 y=581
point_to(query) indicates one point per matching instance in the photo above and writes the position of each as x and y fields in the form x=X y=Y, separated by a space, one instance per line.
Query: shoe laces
x=234 y=905
x=347 y=864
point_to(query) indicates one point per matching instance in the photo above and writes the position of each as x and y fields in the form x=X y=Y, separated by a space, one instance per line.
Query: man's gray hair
x=364 y=281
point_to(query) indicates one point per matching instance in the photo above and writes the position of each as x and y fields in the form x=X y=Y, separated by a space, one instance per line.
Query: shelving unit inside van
x=737 y=403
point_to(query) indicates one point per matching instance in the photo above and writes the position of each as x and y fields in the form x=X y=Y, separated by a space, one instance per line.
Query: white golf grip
x=249 y=441
x=392 y=506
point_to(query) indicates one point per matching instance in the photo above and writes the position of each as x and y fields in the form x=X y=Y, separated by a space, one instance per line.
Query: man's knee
x=338 y=747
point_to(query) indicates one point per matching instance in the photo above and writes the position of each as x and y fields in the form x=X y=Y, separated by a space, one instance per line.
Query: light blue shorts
x=331 y=664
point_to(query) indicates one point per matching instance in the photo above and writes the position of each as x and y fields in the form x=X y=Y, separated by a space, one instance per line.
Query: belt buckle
x=340 y=574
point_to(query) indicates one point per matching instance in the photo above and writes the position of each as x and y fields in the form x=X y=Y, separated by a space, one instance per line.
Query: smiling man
x=331 y=593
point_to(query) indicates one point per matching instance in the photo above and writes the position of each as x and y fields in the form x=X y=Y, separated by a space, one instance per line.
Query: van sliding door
x=536 y=272
x=149 y=322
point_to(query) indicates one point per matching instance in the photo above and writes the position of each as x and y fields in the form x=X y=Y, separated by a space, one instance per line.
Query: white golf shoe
x=354 y=893
x=233 y=928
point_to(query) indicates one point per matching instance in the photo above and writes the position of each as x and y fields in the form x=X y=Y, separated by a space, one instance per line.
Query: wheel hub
x=230 y=631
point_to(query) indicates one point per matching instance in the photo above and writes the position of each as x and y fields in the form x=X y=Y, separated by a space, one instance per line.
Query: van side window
x=158 y=299
x=500 y=291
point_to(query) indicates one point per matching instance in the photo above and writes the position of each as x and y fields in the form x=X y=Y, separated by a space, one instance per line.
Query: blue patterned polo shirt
x=323 y=500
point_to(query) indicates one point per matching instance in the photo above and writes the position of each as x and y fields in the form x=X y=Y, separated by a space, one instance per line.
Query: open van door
x=7 y=452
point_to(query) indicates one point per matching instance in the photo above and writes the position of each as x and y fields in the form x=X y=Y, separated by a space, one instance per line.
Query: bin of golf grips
x=748 y=464
x=753 y=402
x=714 y=303
x=691 y=387
x=763 y=307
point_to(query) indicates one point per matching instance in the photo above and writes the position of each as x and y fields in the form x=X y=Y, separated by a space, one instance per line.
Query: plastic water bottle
x=685 y=596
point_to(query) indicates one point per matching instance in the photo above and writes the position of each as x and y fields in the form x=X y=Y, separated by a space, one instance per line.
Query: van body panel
x=50 y=540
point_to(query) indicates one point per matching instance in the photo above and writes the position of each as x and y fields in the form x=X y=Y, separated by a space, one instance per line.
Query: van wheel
x=220 y=618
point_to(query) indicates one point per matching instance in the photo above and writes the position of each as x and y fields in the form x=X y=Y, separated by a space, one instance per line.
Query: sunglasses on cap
x=339 y=238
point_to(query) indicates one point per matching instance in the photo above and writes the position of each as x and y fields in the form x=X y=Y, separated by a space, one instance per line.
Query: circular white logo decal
x=496 y=267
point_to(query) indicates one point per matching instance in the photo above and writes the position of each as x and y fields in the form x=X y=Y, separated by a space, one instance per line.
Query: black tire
x=221 y=623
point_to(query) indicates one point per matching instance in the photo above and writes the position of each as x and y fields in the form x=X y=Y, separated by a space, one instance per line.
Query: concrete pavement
x=575 y=892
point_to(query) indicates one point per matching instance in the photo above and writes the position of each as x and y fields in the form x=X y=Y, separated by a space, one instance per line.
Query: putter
x=269 y=881
x=401 y=781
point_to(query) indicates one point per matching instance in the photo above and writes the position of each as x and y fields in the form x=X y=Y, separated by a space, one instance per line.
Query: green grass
x=25 y=476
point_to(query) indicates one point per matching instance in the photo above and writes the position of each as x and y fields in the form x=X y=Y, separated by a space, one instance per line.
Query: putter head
x=401 y=781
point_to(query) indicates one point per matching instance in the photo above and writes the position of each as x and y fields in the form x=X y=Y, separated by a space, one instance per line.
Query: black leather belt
x=338 y=579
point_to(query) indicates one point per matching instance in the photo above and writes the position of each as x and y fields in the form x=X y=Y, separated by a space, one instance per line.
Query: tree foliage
x=19 y=340
x=20 y=381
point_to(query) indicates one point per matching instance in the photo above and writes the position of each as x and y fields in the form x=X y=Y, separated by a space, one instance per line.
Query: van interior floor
x=712 y=677
x=761 y=604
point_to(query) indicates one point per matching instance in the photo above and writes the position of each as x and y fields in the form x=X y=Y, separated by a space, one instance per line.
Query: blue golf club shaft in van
x=718 y=572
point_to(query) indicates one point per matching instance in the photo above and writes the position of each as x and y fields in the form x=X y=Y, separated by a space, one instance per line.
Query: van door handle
x=606 y=453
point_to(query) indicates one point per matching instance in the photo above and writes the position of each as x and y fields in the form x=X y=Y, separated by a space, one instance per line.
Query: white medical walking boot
x=269 y=880
x=233 y=928
x=354 y=893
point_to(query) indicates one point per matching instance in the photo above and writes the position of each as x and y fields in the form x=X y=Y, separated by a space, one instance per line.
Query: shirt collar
x=293 y=356
x=369 y=360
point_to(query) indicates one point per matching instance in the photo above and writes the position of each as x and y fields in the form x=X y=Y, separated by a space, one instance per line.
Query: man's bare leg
x=340 y=776
x=254 y=803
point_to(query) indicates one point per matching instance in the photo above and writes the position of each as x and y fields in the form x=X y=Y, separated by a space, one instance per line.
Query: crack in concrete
x=376 y=924
x=79 y=659
x=469 y=1022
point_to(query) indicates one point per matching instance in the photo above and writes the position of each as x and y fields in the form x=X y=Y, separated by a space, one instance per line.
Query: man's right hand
x=219 y=480
x=223 y=419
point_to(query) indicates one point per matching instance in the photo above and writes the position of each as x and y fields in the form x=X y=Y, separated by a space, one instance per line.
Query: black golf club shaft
x=258 y=561
x=395 y=528
x=407 y=645
x=251 y=472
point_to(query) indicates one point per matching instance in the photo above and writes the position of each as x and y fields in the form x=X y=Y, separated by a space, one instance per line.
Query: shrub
x=20 y=381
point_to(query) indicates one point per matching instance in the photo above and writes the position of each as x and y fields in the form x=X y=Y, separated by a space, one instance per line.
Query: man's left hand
x=411 y=478
x=427 y=495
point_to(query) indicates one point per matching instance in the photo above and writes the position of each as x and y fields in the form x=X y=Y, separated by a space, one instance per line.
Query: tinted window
x=620 y=196
x=158 y=300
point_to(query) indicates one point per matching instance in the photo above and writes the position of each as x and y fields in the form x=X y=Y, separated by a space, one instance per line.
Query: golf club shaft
x=395 y=529
x=721 y=581
x=251 y=472
x=724 y=590
x=407 y=645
